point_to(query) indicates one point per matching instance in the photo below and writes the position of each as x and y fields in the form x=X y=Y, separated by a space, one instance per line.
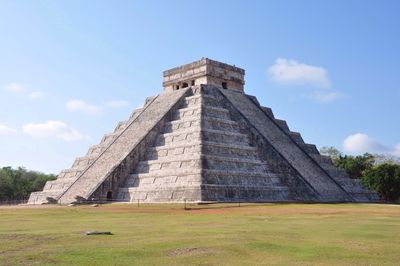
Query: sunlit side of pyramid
x=203 y=140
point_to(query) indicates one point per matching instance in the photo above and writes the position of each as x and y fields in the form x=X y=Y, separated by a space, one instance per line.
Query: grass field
x=281 y=234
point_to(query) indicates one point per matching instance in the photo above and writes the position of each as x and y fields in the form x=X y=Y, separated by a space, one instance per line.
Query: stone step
x=218 y=112
x=336 y=173
x=206 y=122
x=238 y=188
x=249 y=187
x=174 y=194
x=173 y=158
x=310 y=149
x=226 y=193
x=205 y=99
x=212 y=176
x=69 y=173
x=268 y=111
x=210 y=111
x=225 y=163
x=220 y=124
x=167 y=173
x=108 y=138
x=182 y=124
x=185 y=136
x=229 y=150
x=296 y=136
x=171 y=162
x=194 y=102
x=96 y=149
x=164 y=181
x=205 y=147
x=347 y=180
x=58 y=183
x=283 y=125
x=323 y=160
x=194 y=134
x=225 y=137
x=84 y=160
x=352 y=185
x=231 y=172
x=154 y=153
x=193 y=111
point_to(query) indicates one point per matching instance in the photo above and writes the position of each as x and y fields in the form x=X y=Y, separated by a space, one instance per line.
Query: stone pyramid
x=203 y=140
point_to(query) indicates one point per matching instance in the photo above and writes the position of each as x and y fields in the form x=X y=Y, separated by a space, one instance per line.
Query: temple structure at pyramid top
x=204 y=71
x=203 y=140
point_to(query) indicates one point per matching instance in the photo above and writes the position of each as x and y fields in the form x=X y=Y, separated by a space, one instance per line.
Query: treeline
x=17 y=184
x=377 y=172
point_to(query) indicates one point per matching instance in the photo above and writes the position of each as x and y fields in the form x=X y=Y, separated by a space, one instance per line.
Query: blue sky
x=70 y=70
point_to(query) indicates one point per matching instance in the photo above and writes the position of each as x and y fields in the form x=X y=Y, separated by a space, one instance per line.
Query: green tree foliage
x=17 y=184
x=384 y=179
x=355 y=166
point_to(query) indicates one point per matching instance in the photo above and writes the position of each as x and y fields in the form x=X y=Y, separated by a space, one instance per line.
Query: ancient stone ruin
x=203 y=140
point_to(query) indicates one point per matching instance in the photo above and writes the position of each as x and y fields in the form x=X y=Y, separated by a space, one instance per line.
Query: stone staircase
x=202 y=156
x=171 y=170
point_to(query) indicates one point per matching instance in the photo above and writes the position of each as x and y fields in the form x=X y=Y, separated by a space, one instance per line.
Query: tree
x=385 y=179
x=17 y=184
x=355 y=166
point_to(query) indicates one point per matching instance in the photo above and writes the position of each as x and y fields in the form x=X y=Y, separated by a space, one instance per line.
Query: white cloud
x=53 y=129
x=82 y=106
x=291 y=72
x=288 y=71
x=35 y=94
x=16 y=88
x=326 y=96
x=5 y=130
x=23 y=91
x=361 y=143
x=117 y=103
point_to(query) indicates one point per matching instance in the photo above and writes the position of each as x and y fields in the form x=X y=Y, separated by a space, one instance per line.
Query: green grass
x=277 y=234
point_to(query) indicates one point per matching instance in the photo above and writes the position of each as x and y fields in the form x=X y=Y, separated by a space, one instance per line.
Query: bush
x=385 y=180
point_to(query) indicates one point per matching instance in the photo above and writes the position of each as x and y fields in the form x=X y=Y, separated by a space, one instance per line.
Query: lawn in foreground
x=283 y=234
